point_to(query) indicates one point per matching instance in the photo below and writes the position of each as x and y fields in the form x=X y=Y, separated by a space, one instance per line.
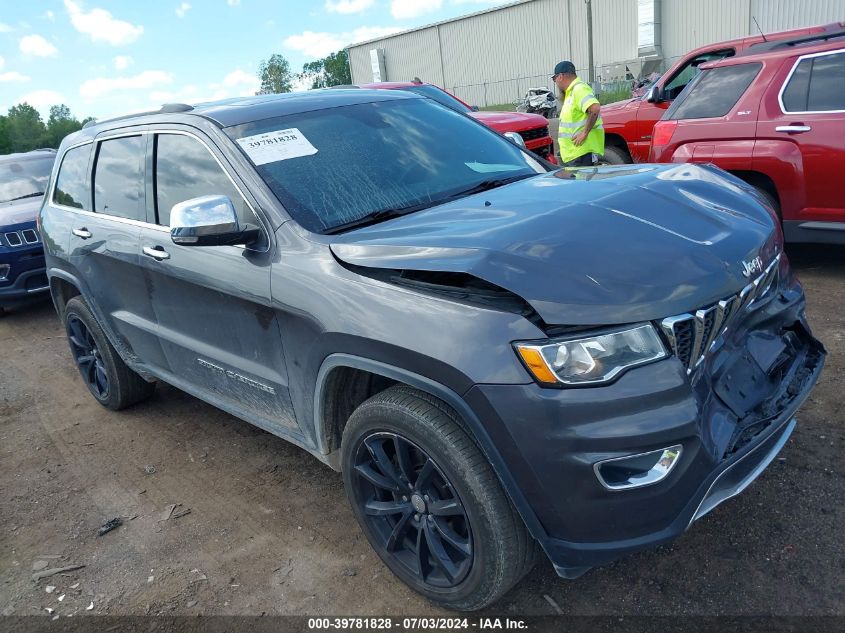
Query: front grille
x=14 y=239
x=530 y=135
x=691 y=335
x=543 y=152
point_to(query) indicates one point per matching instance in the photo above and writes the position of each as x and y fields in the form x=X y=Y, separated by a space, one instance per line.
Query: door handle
x=793 y=129
x=83 y=233
x=156 y=253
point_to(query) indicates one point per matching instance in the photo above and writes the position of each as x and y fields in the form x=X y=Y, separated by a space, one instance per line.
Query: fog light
x=4 y=272
x=636 y=471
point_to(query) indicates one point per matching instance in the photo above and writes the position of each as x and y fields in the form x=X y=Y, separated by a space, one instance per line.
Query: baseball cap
x=564 y=67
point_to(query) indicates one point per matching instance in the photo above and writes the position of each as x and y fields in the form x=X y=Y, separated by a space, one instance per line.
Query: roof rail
x=773 y=45
x=167 y=108
x=343 y=87
x=175 y=107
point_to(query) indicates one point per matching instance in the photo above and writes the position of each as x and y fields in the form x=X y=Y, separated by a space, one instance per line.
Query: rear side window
x=713 y=93
x=817 y=85
x=185 y=169
x=119 y=178
x=72 y=182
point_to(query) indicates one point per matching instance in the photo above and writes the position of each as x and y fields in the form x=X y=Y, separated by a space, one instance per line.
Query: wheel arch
x=63 y=287
x=618 y=141
x=328 y=428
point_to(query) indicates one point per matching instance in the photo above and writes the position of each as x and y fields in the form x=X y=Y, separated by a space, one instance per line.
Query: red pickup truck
x=533 y=128
x=628 y=124
x=773 y=116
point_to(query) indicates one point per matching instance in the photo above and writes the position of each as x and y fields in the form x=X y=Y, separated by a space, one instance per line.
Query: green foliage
x=275 y=75
x=332 y=70
x=23 y=130
x=615 y=94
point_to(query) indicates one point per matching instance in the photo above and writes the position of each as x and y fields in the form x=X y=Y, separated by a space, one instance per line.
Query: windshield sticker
x=271 y=147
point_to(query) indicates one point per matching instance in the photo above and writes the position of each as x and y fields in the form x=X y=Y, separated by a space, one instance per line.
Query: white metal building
x=494 y=56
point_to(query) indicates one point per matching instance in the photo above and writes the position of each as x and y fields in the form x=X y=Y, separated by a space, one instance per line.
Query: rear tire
x=107 y=377
x=772 y=200
x=429 y=502
x=614 y=156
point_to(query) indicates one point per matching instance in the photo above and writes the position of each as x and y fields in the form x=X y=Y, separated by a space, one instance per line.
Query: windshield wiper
x=485 y=185
x=29 y=195
x=378 y=216
x=387 y=214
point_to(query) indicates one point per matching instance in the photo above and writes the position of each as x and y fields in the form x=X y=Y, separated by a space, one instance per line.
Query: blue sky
x=106 y=57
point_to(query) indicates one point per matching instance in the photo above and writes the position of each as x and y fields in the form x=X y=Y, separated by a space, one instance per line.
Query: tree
x=332 y=70
x=275 y=75
x=59 y=124
x=24 y=128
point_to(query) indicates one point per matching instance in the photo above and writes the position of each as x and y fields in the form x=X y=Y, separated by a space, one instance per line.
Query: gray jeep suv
x=503 y=358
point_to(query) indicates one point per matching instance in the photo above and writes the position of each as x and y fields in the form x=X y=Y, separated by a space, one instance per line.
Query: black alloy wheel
x=429 y=502
x=414 y=509
x=107 y=377
x=88 y=358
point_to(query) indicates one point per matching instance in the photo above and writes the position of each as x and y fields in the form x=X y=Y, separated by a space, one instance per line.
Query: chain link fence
x=613 y=83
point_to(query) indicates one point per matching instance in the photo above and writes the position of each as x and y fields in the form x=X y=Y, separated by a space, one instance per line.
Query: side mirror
x=654 y=94
x=515 y=138
x=474 y=108
x=209 y=221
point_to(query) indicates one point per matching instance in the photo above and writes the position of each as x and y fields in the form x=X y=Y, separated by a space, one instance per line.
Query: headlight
x=593 y=359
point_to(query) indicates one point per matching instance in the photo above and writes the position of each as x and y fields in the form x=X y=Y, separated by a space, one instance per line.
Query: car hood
x=510 y=121
x=592 y=246
x=620 y=110
x=19 y=211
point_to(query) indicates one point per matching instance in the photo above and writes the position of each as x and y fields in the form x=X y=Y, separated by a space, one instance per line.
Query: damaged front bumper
x=730 y=418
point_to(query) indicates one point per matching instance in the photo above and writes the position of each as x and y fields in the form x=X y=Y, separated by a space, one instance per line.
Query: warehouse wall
x=496 y=56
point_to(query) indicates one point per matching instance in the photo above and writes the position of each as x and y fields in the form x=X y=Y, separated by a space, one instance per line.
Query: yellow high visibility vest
x=573 y=115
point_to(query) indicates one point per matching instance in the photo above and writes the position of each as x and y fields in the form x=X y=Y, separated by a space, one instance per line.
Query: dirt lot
x=269 y=529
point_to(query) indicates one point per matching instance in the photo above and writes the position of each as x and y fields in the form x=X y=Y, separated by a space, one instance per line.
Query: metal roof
x=433 y=24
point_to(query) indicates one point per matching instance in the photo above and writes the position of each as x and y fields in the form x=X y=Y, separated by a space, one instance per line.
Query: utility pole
x=592 y=69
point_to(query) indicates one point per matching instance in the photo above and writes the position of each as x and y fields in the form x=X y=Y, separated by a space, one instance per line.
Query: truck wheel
x=107 y=377
x=429 y=502
x=614 y=156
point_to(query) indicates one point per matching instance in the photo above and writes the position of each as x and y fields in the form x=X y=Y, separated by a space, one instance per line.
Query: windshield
x=338 y=166
x=439 y=96
x=24 y=178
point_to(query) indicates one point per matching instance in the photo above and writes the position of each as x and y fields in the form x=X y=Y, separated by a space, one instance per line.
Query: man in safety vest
x=581 y=132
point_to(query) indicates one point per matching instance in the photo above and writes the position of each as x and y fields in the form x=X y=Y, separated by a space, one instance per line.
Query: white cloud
x=242 y=80
x=12 y=76
x=404 y=9
x=233 y=3
x=102 y=26
x=122 y=62
x=50 y=16
x=320 y=44
x=348 y=6
x=183 y=9
x=93 y=88
x=37 y=46
x=41 y=99
x=5 y=28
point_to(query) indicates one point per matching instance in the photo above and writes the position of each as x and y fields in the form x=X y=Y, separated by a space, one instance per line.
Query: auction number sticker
x=275 y=146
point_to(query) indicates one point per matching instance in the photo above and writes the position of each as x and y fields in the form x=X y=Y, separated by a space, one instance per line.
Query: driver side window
x=185 y=169
x=689 y=71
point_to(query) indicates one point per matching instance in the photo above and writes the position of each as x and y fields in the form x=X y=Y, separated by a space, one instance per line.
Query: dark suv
x=500 y=356
x=23 y=181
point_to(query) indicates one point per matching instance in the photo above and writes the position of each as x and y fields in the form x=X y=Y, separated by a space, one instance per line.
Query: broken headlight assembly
x=591 y=360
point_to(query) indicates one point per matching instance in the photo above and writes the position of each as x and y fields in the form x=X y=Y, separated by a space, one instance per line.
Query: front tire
x=614 y=156
x=107 y=377
x=429 y=502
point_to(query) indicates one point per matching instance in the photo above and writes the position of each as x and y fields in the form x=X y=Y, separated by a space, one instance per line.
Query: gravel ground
x=269 y=529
